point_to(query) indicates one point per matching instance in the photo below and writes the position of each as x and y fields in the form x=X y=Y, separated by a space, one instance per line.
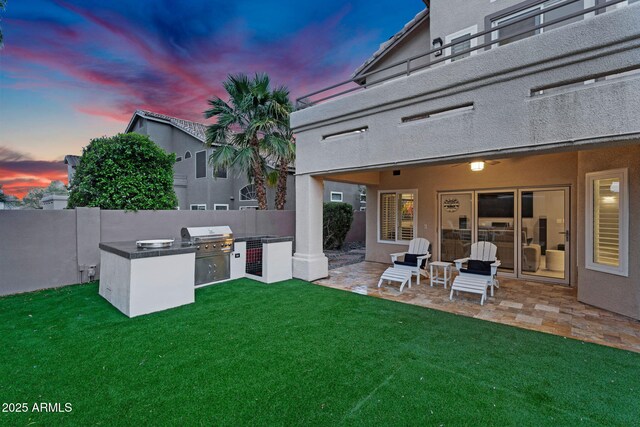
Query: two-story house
x=509 y=121
x=195 y=183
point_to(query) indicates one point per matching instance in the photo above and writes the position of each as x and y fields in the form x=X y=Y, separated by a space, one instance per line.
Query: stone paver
x=542 y=307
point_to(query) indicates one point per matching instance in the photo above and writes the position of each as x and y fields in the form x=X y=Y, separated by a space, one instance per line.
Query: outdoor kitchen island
x=139 y=281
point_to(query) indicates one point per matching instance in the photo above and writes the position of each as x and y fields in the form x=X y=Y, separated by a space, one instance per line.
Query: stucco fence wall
x=46 y=249
x=358 y=230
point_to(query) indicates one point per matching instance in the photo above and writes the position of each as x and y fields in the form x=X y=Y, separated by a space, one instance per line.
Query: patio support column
x=309 y=262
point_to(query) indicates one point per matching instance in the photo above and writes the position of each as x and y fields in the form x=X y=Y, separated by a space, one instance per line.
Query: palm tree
x=282 y=148
x=252 y=113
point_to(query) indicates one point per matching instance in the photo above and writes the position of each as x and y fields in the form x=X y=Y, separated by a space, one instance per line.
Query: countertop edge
x=131 y=253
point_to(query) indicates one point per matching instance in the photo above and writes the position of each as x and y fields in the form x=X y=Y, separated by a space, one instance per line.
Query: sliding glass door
x=497 y=223
x=544 y=225
x=456 y=225
x=530 y=228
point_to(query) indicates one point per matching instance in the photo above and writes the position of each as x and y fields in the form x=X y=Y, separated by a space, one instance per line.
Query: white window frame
x=246 y=208
x=337 y=193
x=240 y=195
x=195 y=163
x=623 y=225
x=363 y=208
x=467 y=31
x=413 y=191
x=198 y=206
x=218 y=205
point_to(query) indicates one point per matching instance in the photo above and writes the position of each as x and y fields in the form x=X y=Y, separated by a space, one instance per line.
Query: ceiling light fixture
x=477 y=166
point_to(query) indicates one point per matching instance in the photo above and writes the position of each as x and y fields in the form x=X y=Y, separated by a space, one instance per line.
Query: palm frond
x=272 y=178
x=222 y=158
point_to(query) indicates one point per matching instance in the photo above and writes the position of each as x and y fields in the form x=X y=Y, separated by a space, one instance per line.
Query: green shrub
x=336 y=223
x=126 y=171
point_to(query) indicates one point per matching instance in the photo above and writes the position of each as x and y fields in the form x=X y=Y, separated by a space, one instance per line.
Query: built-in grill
x=213 y=252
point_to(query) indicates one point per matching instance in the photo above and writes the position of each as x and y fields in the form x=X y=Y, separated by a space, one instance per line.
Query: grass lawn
x=298 y=354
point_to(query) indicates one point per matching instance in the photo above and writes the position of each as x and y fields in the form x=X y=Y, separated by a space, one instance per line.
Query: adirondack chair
x=415 y=259
x=480 y=271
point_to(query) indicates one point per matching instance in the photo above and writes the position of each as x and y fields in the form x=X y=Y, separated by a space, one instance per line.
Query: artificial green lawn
x=298 y=354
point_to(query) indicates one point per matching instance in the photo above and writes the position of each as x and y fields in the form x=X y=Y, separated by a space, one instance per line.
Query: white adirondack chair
x=419 y=254
x=475 y=281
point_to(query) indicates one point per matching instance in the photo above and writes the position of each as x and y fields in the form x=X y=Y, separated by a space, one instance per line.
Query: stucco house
x=195 y=184
x=510 y=121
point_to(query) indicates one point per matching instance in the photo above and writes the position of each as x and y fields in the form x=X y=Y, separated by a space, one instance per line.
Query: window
x=198 y=207
x=220 y=174
x=187 y=155
x=525 y=20
x=336 y=196
x=201 y=164
x=363 y=208
x=220 y=207
x=607 y=222
x=397 y=216
x=248 y=208
x=178 y=159
x=460 y=45
x=248 y=193
x=363 y=198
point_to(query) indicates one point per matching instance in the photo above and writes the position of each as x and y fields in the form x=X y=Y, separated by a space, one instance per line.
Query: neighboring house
x=72 y=163
x=506 y=124
x=195 y=184
x=10 y=203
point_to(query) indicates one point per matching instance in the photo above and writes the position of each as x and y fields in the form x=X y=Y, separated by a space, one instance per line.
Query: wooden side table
x=437 y=267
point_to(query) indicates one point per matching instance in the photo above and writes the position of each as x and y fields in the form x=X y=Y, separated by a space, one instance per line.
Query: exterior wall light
x=436 y=44
x=477 y=166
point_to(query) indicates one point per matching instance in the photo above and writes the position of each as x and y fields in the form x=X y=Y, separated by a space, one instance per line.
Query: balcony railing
x=440 y=53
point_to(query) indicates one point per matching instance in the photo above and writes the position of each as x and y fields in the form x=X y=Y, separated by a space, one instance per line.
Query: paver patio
x=541 y=307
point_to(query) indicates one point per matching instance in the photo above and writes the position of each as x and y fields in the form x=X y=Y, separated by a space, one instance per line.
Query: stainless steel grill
x=213 y=252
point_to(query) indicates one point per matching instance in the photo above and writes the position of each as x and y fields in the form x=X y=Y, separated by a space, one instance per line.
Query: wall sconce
x=477 y=166
x=436 y=44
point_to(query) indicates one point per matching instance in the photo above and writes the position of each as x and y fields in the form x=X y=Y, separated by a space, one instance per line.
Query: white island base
x=146 y=285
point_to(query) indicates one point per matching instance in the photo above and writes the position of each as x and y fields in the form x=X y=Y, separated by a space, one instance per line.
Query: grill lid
x=213 y=232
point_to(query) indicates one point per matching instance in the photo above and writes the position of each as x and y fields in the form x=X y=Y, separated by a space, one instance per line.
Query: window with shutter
x=607 y=222
x=397 y=220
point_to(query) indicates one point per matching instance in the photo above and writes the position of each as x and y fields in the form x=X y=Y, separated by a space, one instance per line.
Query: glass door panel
x=544 y=226
x=496 y=222
x=456 y=225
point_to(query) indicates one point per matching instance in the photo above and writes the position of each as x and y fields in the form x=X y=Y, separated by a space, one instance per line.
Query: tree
x=336 y=223
x=33 y=199
x=253 y=111
x=126 y=171
x=3 y=197
x=281 y=146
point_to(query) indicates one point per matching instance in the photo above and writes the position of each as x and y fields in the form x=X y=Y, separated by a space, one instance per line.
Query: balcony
x=568 y=88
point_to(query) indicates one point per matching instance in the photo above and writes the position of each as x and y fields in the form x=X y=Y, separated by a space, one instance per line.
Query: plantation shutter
x=405 y=209
x=388 y=216
x=606 y=221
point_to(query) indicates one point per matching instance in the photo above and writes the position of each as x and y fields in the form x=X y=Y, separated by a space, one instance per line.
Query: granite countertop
x=264 y=239
x=129 y=250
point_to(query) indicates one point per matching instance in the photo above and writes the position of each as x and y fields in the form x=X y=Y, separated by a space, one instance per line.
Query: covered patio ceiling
x=552 y=309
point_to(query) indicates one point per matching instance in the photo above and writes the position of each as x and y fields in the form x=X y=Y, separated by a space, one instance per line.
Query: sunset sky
x=77 y=69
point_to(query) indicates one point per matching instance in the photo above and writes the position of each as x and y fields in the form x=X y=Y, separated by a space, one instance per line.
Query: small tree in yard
x=336 y=223
x=33 y=199
x=126 y=171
